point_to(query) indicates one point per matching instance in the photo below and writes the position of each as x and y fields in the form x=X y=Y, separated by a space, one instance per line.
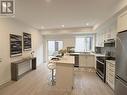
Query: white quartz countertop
x=65 y=60
x=74 y=53
x=101 y=55
x=82 y=54
x=111 y=61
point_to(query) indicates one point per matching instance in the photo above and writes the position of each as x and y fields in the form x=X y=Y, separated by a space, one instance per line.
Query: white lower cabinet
x=110 y=73
x=90 y=61
x=86 y=61
x=82 y=61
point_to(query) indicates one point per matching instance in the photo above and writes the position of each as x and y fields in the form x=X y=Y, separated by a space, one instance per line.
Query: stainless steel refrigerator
x=121 y=64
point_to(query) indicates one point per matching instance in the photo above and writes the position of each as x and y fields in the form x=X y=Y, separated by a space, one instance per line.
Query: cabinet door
x=82 y=61
x=97 y=39
x=107 y=34
x=85 y=63
x=110 y=74
x=90 y=60
x=107 y=72
x=122 y=22
x=101 y=40
x=113 y=32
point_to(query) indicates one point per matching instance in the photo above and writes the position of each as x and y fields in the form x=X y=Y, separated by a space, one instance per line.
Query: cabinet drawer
x=111 y=70
x=112 y=66
x=111 y=84
x=111 y=81
x=110 y=75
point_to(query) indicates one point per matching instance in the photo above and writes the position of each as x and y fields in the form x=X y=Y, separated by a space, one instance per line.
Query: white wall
x=68 y=41
x=111 y=24
x=120 y=5
x=12 y=26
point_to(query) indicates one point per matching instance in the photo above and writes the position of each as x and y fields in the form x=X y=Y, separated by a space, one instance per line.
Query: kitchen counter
x=99 y=55
x=87 y=54
x=65 y=60
x=87 y=59
x=81 y=54
x=110 y=73
x=65 y=73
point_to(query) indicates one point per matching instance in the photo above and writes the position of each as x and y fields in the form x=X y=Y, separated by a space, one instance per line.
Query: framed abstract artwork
x=15 y=45
x=27 y=41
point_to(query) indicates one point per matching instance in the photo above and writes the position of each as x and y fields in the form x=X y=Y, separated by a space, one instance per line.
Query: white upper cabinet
x=113 y=32
x=108 y=31
x=122 y=22
x=99 y=40
x=104 y=36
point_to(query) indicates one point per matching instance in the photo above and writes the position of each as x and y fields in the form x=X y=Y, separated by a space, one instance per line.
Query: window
x=84 y=44
x=54 y=46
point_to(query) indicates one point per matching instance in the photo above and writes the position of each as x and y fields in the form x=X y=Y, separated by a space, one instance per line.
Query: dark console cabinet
x=33 y=63
x=76 y=61
x=15 y=67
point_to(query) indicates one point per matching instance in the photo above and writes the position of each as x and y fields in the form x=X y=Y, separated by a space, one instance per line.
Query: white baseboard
x=5 y=82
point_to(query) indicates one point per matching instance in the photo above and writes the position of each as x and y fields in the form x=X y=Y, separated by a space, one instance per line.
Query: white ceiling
x=71 y=13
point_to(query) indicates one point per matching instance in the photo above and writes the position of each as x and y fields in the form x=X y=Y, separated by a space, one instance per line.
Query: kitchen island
x=65 y=73
x=85 y=59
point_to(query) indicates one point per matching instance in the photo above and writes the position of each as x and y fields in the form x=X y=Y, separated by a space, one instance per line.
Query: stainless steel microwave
x=109 y=43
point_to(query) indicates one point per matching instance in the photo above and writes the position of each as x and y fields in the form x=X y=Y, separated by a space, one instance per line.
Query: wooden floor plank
x=86 y=82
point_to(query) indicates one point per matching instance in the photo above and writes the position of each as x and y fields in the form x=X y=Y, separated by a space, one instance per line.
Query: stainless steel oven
x=101 y=67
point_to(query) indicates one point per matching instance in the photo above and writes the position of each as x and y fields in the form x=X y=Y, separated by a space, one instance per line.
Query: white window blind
x=84 y=44
x=79 y=45
x=54 y=46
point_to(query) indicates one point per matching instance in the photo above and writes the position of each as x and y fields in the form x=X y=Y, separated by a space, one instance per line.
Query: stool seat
x=51 y=66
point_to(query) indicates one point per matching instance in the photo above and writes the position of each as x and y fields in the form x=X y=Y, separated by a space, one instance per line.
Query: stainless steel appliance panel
x=121 y=55
x=120 y=88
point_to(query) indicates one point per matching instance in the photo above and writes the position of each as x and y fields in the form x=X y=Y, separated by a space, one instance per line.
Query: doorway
x=53 y=48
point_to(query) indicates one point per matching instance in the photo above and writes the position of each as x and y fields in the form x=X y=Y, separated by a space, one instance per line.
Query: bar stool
x=52 y=67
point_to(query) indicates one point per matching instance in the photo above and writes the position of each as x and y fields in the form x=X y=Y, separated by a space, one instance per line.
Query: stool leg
x=52 y=77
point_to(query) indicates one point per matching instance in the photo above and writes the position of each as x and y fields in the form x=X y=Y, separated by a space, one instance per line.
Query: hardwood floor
x=36 y=83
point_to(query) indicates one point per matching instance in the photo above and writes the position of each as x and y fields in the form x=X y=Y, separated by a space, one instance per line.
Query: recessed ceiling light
x=42 y=27
x=87 y=24
x=62 y=25
x=48 y=1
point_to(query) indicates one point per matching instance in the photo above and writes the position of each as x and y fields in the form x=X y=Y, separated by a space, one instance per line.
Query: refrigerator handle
x=120 y=79
x=117 y=77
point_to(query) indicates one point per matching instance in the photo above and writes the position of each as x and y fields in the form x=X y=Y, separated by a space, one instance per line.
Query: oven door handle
x=100 y=62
